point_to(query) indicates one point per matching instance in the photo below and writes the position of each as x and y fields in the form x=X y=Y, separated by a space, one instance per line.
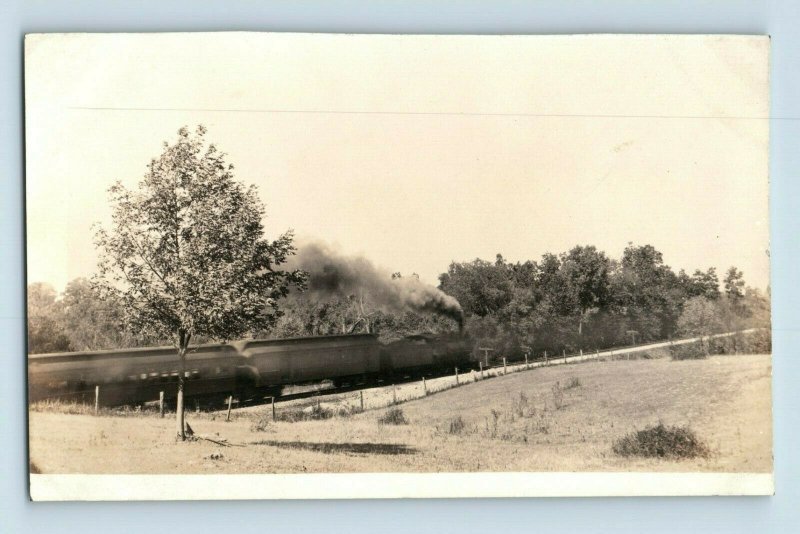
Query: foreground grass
x=562 y=418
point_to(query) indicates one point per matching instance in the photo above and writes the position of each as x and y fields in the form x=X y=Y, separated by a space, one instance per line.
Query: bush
x=315 y=413
x=574 y=382
x=688 y=351
x=759 y=342
x=394 y=416
x=457 y=425
x=661 y=442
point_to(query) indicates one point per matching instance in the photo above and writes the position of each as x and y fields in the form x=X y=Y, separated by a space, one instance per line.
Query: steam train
x=245 y=369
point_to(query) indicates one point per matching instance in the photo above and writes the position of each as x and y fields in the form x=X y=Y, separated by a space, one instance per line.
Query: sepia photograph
x=339 y=266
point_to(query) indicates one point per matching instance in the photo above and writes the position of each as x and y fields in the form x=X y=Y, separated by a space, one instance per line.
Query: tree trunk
x=180 y=412
x=179 y=409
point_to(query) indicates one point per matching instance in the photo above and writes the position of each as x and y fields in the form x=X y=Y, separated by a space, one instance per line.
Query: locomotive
x=245 y=369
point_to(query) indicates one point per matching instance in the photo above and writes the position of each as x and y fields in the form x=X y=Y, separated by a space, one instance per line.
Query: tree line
x=583 y=299
x=580 y=299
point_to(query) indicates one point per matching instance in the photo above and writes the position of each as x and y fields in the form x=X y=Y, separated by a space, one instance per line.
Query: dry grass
x=519 y=422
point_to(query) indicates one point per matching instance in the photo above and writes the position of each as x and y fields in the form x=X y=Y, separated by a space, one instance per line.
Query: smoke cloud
x=331 y=273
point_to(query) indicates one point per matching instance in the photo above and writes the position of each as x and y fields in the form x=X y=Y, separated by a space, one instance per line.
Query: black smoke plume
x=331 y=273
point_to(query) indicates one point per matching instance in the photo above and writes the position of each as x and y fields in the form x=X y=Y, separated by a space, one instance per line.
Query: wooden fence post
x=564 y=353
x=273 y=408
x=545 y=358
x=230 y=404
x=197 y=406
x=96 y=399
x=526 y=361
x=161 y=403
x=481 y=367
x=361 y=395
x=504 y=365
x=456 y=375
x=424 y=387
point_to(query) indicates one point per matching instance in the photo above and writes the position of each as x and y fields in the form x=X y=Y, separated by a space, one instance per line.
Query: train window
x=218 y=370
x=143 y=376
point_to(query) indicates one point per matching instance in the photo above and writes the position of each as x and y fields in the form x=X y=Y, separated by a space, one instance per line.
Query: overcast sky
x=416 y=151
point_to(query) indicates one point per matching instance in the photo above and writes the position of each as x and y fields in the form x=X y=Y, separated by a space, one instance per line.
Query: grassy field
x=561 y=418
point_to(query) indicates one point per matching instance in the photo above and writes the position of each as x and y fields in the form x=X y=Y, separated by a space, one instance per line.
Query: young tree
x=186 y=255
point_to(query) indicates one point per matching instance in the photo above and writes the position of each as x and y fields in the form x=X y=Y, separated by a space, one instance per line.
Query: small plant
x=457 y=425
x=558 y=396
x=394 y=416
x=661 y=441
x=574 y=382
x=260 y=425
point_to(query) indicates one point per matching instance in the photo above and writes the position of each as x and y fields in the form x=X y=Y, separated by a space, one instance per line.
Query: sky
x=416 y=151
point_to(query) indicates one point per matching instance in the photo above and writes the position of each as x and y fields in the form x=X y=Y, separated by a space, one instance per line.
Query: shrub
x=661 y=441
x=457 y=425
x=315 y=413
x=688 y=351
x=574 y=382
x=394 y=416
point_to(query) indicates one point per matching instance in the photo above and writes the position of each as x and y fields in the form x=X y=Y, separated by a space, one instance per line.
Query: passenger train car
x=244 y=368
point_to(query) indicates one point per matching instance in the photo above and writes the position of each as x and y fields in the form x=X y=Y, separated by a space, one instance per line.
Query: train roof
x=135 y=351
x=221 y=347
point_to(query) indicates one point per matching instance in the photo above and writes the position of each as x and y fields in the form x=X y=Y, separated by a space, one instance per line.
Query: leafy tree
x=586 y=271
x=700 y=317
x=705 y=284
x=482 y=287
x=46 y=332
x=734 y=284
x=643 y=287
x=186 y=256
x=92 y=322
